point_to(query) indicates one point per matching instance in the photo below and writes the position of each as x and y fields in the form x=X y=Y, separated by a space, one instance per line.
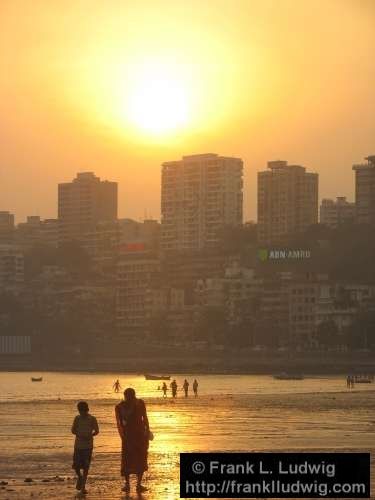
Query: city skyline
x=260 y=84
x=148 y=215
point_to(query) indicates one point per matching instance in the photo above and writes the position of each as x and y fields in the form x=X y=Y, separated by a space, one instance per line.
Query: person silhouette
x=85 y=428
x=195 y=387
x=116 y=386
x=186 y=388
x=134 y=430
x=174 y=388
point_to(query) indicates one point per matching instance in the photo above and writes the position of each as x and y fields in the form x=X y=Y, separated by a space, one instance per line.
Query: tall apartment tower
x=200 y=195
x=83 y=203
x=365 y=191
x=287 y=202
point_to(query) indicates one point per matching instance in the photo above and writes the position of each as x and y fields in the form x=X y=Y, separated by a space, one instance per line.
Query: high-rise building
x=83 y=203
x=365 y=191
x=287 y=201
x=200 y=195
x=335 y=213
x=6 y=227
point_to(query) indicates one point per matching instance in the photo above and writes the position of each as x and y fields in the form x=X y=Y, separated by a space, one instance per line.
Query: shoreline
x=261 y=364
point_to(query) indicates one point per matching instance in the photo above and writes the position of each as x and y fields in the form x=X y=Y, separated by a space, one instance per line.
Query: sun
x=158 y=100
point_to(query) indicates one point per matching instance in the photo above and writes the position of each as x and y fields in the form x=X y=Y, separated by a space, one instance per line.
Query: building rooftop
x=369 y=165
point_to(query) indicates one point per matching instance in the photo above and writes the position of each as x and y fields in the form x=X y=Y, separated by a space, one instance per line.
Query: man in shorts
x=84 y=427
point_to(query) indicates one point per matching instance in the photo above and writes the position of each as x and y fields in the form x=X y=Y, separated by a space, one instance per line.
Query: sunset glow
x=158 y=101
x=121 y=87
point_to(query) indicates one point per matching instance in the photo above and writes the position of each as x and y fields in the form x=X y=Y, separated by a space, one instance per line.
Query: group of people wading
x=185 y=387
x=135 y=434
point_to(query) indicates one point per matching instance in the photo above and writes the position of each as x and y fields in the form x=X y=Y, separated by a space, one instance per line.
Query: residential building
x=172 y=315
x=11 y=266
x=50 y=232
x=335 y=213
x=105 y=241
x=184 y=269
x=36 y=232
x=201 y=194
x=6 y=227
x=365 y=191
x=303 y=297
x=272 y=322
x=136 y=273
x=287 y=202
x=237 y=292
x=146 y=232
x=341 y=303
x=83 y=203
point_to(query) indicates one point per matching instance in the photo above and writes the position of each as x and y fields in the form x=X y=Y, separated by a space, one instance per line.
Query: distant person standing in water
x=348 y=381
x=117 y=386
x=134 y=430
x=195 y=387
x=174 y=388
x=84 y=427
x=164 y=388
x=186 y=388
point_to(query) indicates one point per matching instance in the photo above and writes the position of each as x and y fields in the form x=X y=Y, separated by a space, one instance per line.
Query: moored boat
x=363 y=379
x=36 y=379
x=156 y=377
x=288 y=376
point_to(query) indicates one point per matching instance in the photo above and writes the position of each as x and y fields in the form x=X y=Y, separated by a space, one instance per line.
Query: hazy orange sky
x=118 y=87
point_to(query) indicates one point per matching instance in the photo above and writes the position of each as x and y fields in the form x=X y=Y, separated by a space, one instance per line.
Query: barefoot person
x=174 y=388
x=116 y=386
x=186 y=388
x=195 y=387
x=84 y=427
x=133 y=427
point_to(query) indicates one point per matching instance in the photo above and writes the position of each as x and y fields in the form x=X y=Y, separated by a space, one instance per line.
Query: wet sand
x=35 y=440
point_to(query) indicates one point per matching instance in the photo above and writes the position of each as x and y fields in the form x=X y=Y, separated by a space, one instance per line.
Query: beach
x=232 y=413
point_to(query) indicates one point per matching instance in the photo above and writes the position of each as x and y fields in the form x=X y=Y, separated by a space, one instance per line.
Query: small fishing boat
x=156 y=377
x=288 y=376
x=36 y=379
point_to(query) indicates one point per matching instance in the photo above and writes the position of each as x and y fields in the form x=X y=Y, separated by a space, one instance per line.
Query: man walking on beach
x=85 y=427
x=186 y=388
x=174 y=388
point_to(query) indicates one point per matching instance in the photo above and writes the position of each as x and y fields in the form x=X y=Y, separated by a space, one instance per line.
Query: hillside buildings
x=200 y=195
x=287 y=202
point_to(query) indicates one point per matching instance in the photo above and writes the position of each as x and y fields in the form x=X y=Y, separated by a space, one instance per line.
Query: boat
x=156 y=377
x=288 y=376
x=363 y=379
x=36 y=379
